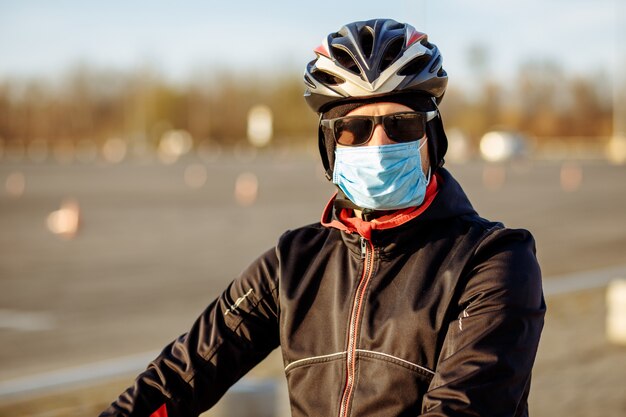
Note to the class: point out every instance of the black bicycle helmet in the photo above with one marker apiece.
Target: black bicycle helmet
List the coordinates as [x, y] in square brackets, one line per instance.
[376, 60]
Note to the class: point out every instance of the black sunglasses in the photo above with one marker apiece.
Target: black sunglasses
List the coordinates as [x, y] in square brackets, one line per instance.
[399, 127]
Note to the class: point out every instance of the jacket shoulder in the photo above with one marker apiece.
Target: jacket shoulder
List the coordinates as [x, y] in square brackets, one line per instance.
[311, 233]
[504, 268]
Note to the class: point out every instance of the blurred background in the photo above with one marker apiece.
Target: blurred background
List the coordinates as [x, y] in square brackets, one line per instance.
[149, 152]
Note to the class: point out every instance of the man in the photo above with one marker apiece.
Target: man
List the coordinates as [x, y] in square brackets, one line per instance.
[402, 301]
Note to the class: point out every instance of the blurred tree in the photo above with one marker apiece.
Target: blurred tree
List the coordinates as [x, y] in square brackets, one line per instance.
[5, 108]
[198, 117]
[91, 103]
[293, 118]
[538, 96]
[589, 114]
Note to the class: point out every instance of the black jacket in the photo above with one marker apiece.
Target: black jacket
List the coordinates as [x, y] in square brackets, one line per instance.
[438, 316]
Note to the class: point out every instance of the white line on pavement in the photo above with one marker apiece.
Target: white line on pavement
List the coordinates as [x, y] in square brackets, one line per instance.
[582, 280]
[26, 321]
[83, 374]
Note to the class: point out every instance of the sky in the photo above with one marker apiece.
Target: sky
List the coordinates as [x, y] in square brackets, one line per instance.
[43, 38]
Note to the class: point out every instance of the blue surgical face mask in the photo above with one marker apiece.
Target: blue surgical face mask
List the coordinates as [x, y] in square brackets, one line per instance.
[387, 177]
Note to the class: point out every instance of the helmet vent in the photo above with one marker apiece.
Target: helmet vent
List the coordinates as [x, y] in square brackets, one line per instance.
[366, 39]
[308, 81]
[345, 60]
[427, 44]
[415, 66]
[435, 64]
[391, 53]
[326, 77]
[392, 25]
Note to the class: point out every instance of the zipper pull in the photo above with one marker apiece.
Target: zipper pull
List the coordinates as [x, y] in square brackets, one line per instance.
[363, 248]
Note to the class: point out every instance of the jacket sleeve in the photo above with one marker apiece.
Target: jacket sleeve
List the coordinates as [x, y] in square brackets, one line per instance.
[488, 352]
[231, 336]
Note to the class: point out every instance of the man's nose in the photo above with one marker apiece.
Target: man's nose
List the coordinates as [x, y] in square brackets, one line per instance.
[379, 137]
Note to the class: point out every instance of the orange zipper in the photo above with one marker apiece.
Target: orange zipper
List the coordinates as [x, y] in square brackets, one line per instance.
[367, 251]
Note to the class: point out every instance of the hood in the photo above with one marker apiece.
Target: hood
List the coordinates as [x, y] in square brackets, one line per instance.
[451, 200]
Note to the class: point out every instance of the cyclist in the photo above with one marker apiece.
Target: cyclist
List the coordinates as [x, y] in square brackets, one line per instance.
[401, 301]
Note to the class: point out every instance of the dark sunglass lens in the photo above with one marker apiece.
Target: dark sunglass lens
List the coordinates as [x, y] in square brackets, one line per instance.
[353, 131]
[405, 127]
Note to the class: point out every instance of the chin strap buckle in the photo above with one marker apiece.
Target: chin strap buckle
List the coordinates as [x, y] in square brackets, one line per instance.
[368, 214]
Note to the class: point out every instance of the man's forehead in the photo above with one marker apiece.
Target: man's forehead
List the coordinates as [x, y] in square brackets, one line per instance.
[379, 108]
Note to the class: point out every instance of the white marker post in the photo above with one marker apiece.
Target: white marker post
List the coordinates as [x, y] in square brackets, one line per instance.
[260, 126]
[616, 312]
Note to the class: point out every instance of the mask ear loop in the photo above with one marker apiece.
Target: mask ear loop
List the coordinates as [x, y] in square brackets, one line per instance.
[419, 148]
